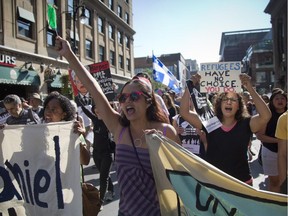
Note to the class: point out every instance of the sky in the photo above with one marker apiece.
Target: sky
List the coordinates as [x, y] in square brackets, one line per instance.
[192, 27]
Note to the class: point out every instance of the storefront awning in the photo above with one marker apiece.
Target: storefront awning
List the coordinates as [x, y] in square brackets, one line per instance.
[13, 76]
[57, 83]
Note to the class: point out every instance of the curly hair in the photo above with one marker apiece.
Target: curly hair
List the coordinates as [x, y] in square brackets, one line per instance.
[65, 104]
[241, 113]
[153, 112]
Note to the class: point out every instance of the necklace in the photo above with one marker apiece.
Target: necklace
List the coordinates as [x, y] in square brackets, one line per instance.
[138, 141]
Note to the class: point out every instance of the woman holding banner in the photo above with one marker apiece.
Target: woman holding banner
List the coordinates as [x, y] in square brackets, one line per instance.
[59, 108]
[228, 144]
[140, 114]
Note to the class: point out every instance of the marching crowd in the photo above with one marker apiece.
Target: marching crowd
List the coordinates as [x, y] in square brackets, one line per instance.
[121, 130]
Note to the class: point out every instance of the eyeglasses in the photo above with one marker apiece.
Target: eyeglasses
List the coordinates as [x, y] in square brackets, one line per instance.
[232, 100]
[134, 96]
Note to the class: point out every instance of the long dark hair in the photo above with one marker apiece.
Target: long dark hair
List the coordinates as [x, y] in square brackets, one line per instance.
[275, 92]
[241, 112]
[153, 112]
[170, 101]
[65, 104]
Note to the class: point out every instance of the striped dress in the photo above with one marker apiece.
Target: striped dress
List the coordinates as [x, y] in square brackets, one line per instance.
[138, 195]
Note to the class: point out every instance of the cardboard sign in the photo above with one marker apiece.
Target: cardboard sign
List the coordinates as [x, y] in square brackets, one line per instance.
[220, 77]
[101, 72]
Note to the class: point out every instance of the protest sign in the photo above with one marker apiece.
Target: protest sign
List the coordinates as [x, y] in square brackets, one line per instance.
[220, 77]
[101, 72]
[205, 112]
[40, 170]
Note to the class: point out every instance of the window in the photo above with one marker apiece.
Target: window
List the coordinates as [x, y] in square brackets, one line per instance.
[101, 53]
[88, 20]
[70, 7]
[111, 32]
[120, 37]
[261, 77]
[75, 44]
[89, 49]
[50, 37]
[119, 11]
[121, 61]
[112, 57]
[25, 22]
[24, 28]
[54, 2]
[100, 25]
[127, 41]
[128, 64]
[111, 4]
[127, 18]
[127, 1]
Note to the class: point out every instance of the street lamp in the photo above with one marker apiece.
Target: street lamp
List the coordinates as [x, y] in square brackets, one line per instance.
[82, 19]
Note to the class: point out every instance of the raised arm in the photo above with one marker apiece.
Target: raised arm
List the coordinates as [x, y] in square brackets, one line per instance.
[264, 114]
[189, 115]
[108, 114]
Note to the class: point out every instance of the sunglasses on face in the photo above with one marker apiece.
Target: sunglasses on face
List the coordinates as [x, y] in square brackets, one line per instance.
[232, 100]
[133, 96]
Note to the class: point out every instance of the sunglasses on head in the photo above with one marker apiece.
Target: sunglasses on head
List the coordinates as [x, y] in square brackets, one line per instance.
[133, 96]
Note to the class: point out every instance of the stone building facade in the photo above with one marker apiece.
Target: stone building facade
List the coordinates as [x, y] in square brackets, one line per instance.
[27, 42]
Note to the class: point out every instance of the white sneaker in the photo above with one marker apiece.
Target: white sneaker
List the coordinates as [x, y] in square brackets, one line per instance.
[109, 196]
[101, 208]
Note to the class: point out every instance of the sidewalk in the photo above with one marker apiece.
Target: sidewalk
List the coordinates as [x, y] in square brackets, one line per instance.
[259, 179]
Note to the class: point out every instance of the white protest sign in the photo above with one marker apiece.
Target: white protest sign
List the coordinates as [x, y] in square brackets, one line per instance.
[220, 77]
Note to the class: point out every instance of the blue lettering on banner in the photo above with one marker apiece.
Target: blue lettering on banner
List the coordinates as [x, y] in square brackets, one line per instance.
[209, 202]
[31, 190]
[58, 178]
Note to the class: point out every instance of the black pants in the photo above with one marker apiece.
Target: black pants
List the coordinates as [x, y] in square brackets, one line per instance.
[103, 162]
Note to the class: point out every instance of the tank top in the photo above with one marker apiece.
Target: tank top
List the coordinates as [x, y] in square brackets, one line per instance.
[138, 194]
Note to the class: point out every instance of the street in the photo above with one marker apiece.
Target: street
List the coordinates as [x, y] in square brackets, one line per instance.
[111, 208]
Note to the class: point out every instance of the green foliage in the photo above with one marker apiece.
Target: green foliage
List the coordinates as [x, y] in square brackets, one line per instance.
[67, 88]
[155, 85]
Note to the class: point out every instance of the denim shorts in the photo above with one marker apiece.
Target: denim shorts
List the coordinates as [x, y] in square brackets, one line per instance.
[269, 162]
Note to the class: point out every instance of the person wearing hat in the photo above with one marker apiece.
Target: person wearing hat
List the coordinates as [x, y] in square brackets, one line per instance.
[36, 104]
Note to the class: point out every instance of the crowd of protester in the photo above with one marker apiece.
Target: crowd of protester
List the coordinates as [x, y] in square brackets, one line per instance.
[141, 111]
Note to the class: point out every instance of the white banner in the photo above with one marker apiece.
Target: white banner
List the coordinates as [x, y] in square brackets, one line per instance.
[40, 170]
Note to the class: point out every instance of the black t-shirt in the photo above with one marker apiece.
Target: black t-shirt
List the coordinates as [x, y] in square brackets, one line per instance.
[270, 131]
[172, 112]
[102, 139]
[228, 150]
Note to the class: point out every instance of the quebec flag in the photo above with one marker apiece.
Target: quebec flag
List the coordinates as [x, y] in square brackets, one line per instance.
[163, 75]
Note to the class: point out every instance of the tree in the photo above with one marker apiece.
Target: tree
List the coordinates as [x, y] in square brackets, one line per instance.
[155, 85]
